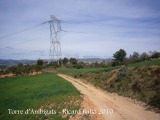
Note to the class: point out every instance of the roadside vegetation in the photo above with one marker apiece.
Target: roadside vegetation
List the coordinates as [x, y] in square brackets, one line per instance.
[136, 77]
[137, 80]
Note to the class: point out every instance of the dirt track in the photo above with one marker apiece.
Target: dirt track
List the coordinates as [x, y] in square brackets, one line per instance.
[123, 109]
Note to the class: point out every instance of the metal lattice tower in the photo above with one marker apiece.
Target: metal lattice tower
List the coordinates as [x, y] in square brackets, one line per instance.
[55, 34]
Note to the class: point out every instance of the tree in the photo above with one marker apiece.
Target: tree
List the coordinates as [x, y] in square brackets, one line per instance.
[28, 68]
[135, 55]
[54, 64]
[120, 55]
[39, 62]
[155, 54]
[73, 61]
[20, 65]
[144, 56]
[65, 61]
[80, 65]
[103, 64]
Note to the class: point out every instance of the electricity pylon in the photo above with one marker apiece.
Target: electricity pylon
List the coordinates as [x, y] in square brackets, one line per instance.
[55, 34]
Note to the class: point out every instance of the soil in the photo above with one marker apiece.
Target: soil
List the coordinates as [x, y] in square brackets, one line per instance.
[11, 74]
[88, 106]
[8, 75]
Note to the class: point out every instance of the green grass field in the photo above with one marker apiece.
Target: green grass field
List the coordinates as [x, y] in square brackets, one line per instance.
[146, 63]
[46, 91]
[87, 70]
[92, 70]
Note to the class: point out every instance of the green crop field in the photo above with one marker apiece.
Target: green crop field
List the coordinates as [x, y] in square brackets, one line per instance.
[44, 91]
[145, 63]
[92, 70]
[87, 70]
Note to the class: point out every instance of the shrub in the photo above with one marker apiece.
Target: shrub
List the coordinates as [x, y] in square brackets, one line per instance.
[121, 73]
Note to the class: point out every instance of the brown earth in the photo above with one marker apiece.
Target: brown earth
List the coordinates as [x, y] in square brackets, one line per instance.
[35, 73]
[88, 106]
[11, 74]
[8, 75]
[112, 106]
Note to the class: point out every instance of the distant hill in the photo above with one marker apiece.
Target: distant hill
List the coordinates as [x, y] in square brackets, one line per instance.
[94, 60]
[9, 62]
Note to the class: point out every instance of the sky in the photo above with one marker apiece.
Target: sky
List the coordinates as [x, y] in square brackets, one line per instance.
[92, 28]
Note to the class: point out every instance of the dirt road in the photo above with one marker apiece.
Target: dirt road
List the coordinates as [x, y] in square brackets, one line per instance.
[113, 107]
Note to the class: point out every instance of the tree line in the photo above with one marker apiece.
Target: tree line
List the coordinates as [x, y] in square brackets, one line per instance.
[119, 58]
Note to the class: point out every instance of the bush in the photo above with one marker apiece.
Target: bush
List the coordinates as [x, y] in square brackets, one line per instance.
[40, 62]
[121, 74]
[80, 65]
[21, 69]
[155, 101]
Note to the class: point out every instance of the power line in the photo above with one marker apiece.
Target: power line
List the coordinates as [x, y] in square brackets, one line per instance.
[66, 22]
[23, 30]
[84, 22]
[20, 31]
[75, 32]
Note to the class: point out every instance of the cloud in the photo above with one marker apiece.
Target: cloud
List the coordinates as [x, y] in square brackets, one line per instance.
[38, 51]
[9, 47]
[19, 53]
[94, 27]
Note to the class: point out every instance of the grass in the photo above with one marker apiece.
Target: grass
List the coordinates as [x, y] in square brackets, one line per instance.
[108, 69]
[87, 70]
[45, 91]
[146, 63]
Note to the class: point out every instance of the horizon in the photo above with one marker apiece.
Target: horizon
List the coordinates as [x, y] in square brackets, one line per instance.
[55, 59]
